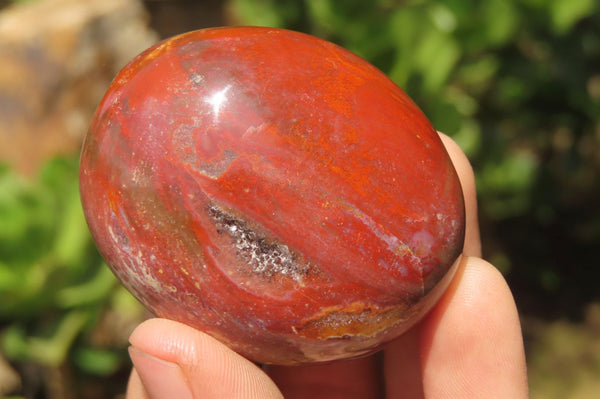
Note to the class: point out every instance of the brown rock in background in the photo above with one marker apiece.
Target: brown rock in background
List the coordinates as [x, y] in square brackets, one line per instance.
[9, 379]
[57, 59]
[173, 17]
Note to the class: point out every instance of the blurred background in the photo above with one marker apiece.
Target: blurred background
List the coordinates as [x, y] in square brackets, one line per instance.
[515, 82]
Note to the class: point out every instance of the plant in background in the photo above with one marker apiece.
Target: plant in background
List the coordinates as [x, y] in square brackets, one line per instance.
[56, 292]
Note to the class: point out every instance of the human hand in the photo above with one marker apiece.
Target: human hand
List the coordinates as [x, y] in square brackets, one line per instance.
[469, 346]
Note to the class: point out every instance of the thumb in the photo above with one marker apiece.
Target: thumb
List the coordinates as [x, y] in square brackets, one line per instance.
[172, 360]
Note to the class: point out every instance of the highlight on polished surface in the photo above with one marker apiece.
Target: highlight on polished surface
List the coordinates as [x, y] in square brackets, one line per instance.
[273, 190]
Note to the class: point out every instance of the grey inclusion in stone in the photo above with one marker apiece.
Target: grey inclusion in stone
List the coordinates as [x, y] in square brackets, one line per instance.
[264, 256]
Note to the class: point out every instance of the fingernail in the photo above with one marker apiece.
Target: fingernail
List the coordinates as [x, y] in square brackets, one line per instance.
[161, 379]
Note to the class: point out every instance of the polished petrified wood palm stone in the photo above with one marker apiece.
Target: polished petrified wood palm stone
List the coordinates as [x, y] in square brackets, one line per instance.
[274, 190]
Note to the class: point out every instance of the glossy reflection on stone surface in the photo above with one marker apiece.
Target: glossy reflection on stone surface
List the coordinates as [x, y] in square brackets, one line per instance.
[273, 190]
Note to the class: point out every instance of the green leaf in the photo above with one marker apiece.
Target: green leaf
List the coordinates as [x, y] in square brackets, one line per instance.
[442, 17]
[49, 351]
[505, 185]
[96, 290]
[72, 235]
[270, 13]
[468, 137]
[479, 72]
[435, 57]
[404, 27]
[100, 362]
[501, 21]
[566, 13]
[8, 278]
[26, 219]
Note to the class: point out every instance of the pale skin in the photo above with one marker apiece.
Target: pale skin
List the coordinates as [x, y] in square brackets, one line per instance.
[469, 346]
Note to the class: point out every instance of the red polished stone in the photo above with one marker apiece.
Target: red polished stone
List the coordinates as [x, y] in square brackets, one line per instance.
[273, 190]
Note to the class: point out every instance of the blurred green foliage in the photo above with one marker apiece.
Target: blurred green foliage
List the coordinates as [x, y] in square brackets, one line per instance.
[54, 286]
[516, 83]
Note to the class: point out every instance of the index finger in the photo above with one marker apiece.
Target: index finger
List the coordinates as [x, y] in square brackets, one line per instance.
[466, 176]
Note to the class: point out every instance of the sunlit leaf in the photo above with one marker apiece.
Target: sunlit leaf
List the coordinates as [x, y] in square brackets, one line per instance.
[565, 13]
[100, 362]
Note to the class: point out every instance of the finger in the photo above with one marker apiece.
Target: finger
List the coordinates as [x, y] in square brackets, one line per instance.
[471, 343]
[173, 360]
[402, 365]
[357, 378]
[466, 176]
[135, 388]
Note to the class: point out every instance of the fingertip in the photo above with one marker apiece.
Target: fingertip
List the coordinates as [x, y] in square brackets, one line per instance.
[459, 160]
[466, 176]
[210, 368]
[159, 378]
[135, 388]
[477, 293]
[353, 378]
[471, 342]
[168, 340]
